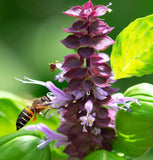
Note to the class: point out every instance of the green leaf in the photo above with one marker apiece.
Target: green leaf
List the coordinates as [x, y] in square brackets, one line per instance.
[18, 101]
[57, 153]
[147, 156]
[8, 115]
[10, 108]
[122, 145]
[135, 129]
[103, 155]
[132, 53]
[22, 145]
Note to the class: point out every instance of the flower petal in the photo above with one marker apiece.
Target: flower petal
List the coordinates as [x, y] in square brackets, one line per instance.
[88, 5]
[100, 81]
[78, 94]
[50, 86]
[98, 139]
[102, 113]
[60, 139]
[74, 84]
[72, 61]
[71, 41]
[76, 73]
[87, 85]
[79, 24]
[103, 122]
[98, 27]
[74, 11]
[112, 115]
[71, 30]
[110, 90]
[107, 30]
[104, 70]
[100, 94]
[78, 27]
[85, 40]
[88, 106]
[123, 102]
[85, 51]
[100, 10]
[43, 128]
[101, 42]
[97, 59]
[88, 9]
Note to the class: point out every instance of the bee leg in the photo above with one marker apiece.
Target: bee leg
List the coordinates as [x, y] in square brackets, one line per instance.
[34, 118]
[49, 116]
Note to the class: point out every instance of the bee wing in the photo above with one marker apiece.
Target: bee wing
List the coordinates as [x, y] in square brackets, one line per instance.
[44, 104]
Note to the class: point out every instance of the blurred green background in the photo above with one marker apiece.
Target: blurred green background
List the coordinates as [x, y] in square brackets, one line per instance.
[30, 34]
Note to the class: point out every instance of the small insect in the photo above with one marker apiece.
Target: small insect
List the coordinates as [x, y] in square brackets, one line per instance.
[38, 105]
[53, 66]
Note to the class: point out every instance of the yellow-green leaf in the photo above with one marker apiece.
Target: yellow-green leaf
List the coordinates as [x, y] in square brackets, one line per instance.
[132, 54]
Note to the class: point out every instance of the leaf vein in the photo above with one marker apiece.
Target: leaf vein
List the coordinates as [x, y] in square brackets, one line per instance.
[144, 62]
[141, 41]
[145, 49]
[133, 36]
[127, 52]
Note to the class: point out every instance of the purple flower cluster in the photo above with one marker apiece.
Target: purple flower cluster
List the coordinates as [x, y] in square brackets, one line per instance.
[87, 124]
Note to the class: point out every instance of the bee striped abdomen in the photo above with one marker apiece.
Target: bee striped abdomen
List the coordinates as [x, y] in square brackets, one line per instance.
[24, 117]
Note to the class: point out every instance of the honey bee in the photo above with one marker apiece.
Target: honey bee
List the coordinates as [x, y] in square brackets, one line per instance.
[38, 105]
